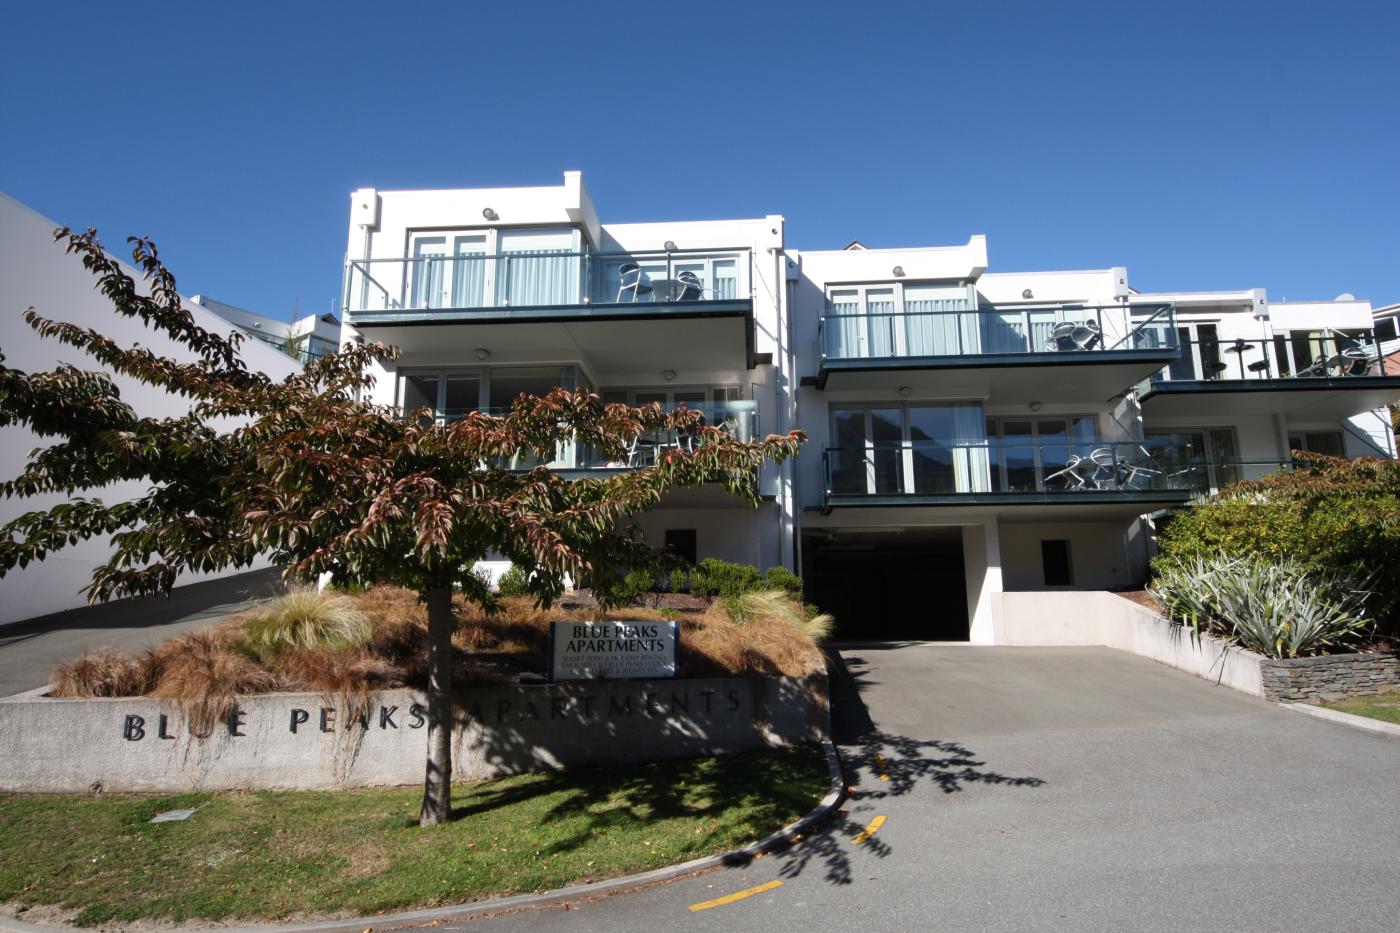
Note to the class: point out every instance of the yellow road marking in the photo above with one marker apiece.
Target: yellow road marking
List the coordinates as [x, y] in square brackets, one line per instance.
[736, 896]
[884, 769]
[874, 827]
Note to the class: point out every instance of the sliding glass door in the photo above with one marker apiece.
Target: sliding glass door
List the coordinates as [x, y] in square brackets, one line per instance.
[908, 449]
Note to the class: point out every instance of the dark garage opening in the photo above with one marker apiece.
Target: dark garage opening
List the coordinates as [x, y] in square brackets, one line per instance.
[897, 586]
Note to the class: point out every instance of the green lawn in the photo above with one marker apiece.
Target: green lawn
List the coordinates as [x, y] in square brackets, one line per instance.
[266, 855]
[1385, 708]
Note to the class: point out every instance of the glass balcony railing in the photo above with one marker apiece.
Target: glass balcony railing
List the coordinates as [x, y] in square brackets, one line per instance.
[962, 332]
[739, 419]
[1288, 355]
[1004, 467]
[473, 281]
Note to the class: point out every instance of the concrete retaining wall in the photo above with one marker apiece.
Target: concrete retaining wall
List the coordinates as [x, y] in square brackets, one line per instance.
[297, 740]
[1334, 677]
[1100, 618]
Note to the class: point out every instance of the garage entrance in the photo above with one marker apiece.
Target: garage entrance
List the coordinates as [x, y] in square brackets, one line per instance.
[889, 584]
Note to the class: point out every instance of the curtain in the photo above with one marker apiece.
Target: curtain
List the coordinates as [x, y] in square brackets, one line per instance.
[843, 328]
[726, 284]
[469, 281]
[880, 309]
[971, 469]
[427, 282]
[537, 277]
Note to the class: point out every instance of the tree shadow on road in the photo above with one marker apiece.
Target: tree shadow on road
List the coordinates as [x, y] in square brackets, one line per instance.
[881, 766]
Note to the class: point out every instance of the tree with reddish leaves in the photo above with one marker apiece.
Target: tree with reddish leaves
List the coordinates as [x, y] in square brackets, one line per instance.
[307, 473]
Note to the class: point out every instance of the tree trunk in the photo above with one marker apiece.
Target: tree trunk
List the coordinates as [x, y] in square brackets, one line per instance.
[437, 785]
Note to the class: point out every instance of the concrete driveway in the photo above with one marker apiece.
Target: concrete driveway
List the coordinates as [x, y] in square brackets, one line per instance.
[30, 650]
[1062, 789]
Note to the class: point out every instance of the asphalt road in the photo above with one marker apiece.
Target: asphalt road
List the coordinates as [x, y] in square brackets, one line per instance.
[1059, 789]
[30, 650]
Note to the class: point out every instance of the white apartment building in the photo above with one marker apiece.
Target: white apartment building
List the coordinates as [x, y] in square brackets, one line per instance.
[304, 338]
[969, 433]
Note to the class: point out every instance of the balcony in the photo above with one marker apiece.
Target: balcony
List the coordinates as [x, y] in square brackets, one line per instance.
[1003, 354]
[690, 309]
[738, 418]
[1117, 478]
[1320, 376]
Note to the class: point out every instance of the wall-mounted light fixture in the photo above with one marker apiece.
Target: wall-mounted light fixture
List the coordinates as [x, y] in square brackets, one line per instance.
[482, 353]
[1027, 294]
[1035, 406]
[669, 375]
[905, 391]
[490, 214]
[899, 272]
[671, 246]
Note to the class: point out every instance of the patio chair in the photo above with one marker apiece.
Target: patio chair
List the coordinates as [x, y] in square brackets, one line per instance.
[691, 288]
[631, 279]
[1088, 336]
[1062, 337]
[1132, 471]
[1073, 479]
[1106, 467]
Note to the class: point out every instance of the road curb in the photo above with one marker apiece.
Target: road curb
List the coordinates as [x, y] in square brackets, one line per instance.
[836, 795]
[1346, 719]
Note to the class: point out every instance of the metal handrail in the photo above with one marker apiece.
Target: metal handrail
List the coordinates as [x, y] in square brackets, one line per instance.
[1083, 327]
[1205, 360]
[582, 281]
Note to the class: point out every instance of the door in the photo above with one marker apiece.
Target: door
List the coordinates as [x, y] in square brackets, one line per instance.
[429, 275]
[866, 457]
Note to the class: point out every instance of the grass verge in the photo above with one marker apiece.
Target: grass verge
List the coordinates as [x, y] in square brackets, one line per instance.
[1386, 708]
[273, 855]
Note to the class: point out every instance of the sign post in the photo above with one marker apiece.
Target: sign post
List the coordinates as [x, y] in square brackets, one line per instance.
[614, 650]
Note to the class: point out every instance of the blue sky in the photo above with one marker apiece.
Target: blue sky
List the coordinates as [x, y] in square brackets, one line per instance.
[1203, 145]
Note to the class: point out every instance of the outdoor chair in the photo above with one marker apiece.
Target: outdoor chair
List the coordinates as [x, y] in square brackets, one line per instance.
[1133, 472]
[1106, 467]
[630, 279]
[1071, 476]
[1062, 337]
[1087, 336]
[691, 288]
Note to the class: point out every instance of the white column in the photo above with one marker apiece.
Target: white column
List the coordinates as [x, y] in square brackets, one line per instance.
[982, 571]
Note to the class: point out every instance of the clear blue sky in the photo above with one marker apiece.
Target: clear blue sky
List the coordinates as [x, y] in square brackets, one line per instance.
[1203, 145]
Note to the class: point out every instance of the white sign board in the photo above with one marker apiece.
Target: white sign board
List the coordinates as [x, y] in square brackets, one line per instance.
[613, 650]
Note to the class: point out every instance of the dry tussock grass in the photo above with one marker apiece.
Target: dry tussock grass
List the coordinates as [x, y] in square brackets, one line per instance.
[204, 671]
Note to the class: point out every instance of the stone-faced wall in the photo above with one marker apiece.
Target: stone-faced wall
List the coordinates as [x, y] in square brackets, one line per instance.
[1332, 677]
[301, 740]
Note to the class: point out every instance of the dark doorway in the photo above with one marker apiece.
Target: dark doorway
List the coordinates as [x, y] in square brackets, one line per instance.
[889, 586]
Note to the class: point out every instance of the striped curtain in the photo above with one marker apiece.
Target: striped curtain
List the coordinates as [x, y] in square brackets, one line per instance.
[537, 277]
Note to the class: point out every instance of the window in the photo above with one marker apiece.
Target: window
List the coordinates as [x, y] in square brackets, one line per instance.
[909, 448]
[494, 268]
[1210, 454]
[1031, 455]
[1055, 562]
[1329, 443]
[681, 542]
[453, 393]
[896, 320]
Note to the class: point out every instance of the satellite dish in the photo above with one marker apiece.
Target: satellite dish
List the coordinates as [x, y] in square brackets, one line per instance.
[1345, 296]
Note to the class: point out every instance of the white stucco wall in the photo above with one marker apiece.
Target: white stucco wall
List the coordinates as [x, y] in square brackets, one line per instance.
[35, 271]
[1101, 555]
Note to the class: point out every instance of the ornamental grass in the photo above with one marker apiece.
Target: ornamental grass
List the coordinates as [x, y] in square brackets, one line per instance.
[350, 646]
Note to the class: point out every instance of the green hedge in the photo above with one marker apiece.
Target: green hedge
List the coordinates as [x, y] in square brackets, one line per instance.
[1333, 516]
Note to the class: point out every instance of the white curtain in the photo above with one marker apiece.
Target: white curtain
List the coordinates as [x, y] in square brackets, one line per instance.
[844, 328]
[971, 469]
[939, 321]
[469, 281]
[726, 283]
[537, 278]
[880, 309]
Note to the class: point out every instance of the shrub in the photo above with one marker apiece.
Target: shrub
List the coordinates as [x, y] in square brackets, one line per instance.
[106, 672]
[1279, 609]
[306, 618]
[1335, 517]
[634, 586]
[776, 604]
[779, 577]
[514, 582]
[713, 577]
